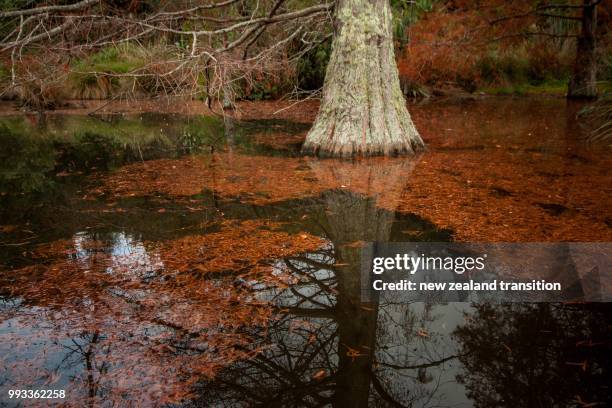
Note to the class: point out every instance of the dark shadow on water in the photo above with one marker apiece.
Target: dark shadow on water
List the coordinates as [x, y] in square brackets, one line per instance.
[327, 348]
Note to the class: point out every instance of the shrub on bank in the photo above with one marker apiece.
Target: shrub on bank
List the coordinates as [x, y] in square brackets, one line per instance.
[448, 50]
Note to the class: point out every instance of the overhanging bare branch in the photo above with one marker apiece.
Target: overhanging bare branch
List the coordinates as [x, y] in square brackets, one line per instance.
[49, 9]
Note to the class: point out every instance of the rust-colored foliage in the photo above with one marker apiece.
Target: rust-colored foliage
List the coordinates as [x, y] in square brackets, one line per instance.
[455, 43]
[255, 179]
[252, 244]
[148, 321]
[486, 181]
[442, 49]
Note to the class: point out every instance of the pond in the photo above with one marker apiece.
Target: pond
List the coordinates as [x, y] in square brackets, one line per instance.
[163, 259]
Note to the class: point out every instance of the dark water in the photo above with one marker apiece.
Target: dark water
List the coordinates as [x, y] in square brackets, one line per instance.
[165, 260]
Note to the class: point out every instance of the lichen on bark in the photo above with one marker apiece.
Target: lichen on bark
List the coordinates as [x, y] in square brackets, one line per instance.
[363, 111]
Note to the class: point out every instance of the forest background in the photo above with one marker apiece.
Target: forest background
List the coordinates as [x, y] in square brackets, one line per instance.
[443, 47]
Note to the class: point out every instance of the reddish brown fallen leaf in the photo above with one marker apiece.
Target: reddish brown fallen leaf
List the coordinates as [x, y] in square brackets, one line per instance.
[583, 365]
[356, 244]
[422, 333]
[319, 375]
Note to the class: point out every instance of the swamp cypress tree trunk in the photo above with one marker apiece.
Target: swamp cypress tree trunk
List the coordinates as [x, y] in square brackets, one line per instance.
[363, 111]
[583, 82]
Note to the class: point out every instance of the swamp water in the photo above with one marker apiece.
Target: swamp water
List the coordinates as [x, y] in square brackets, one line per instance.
[168, 260]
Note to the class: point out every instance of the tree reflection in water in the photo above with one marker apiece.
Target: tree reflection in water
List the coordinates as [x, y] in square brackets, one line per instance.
[329, 348]
[537, 355]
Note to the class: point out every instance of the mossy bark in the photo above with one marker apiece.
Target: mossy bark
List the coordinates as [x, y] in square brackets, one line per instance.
[363, 111]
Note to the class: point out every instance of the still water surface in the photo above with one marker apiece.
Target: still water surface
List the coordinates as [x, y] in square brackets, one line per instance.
[169, 260]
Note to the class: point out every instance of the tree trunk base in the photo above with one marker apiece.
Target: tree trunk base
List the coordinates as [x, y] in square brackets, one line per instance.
[363, 111]
[352, 150]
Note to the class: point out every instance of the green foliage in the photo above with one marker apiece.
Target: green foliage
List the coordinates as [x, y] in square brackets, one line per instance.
[548, 62]
[406, 13]
[521, 67]
[9, 25]
[32, 153]
[202, 132]
[90, 151]
[6, 5]
[605, 66]
[109, 59]
[508, 67]
[93, 76]
[4, 74]
[24, 162]
[262, 91]
[312, 66]
[549, 87]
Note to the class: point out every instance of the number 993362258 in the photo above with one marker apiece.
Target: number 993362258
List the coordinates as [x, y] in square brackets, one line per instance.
[36, 394]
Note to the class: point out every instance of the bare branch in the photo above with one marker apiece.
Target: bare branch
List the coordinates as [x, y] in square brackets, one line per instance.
[48, 9]
[567, 6]
[198, 8]
[47, 34]
[170, 65]
[267, 20]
